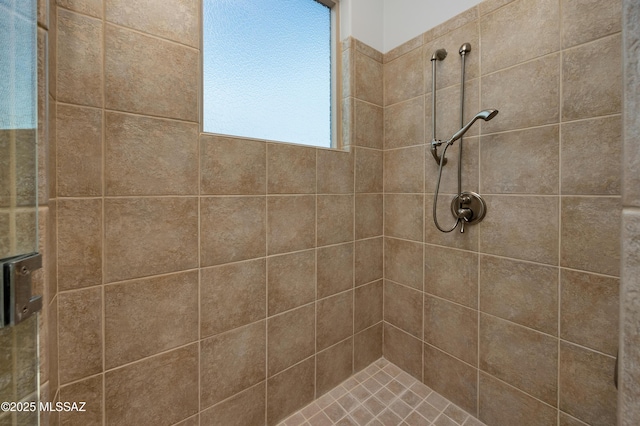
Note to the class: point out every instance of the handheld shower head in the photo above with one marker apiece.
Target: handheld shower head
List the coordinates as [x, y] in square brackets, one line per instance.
[486, 115]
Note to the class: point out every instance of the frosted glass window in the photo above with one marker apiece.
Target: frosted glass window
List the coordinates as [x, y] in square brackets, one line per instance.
[267, 70]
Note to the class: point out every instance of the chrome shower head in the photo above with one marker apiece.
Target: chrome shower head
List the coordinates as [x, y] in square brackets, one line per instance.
[486, 115]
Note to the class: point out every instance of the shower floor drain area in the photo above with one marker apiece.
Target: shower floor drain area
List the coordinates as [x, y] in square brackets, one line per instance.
[381, 395]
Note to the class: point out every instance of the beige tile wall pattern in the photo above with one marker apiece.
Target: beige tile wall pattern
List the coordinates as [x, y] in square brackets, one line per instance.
[219, 271]
[521, 309]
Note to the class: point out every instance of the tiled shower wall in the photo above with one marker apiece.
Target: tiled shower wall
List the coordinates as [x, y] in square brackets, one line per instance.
[516, 319]
[201, 277]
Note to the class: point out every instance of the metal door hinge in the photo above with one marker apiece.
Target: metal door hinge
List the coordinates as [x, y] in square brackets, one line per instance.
[16, 300]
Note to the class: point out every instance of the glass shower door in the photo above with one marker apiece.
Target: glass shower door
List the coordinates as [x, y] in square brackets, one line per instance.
[19, 366]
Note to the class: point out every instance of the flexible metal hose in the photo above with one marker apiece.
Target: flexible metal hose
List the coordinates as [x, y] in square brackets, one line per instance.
[435, 198]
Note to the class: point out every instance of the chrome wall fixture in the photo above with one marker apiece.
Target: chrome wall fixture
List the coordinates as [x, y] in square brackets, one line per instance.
[467, 207]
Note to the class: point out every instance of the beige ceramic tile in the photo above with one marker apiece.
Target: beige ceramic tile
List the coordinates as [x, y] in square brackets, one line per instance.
[403, 308]
[136, 314]
[451, 274]
[368, 304]
[233, 229]
[521, 162]
[403, 262]
[290, 390]
[177, 20]
[137, 80]
[148, 156]
[334, 319]
[367, 346]
[631, 133]
[536, 81]
[452, 24]
[403, 77]
[334, 271]
[290, 281]
[333, 366]
[452, 328]
[368, 260]
[89, 391]
[589, 312]
[404, 123]
[403, 216]
[78, 151]
[585, 171]
[587, 390]
[597, 250]
[403, 350]
[232, 296]
[451, 378]
[79, 243]
[368, 79]
[591, 79]
[166, 380]
[335, 219]
[232, 166]
[335, 172]
[583, 21]
[291, 223]
[369, 124]
[86, 7]
[519, 356]
[502, 231]
[292, 169]
[368, 169]
[506, 33]
[404, 170]
[500, 403]
[369, 215]
[79, 334]
[149, 236]
[78, 59]
[231, 362]
[405, 47]
[291, 338]
[521, 292]
[245, 408]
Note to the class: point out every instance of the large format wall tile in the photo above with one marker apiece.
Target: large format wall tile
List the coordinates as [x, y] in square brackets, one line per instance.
[403, 307]
[232, 295]
[291, 338]
[510, 29]
[292, 169]
[149, 76]
[290, 390]
[136, 314]
[148, 156]
[233, 229]
[525, 293]
[290, 281]
[403, 77]
[244, 408]
[403, 216]
[590, 234]
[291, 223]
[597, 91]
[79, 243]
[526, 95]
[335, 219]
[451, 328]
[79, 59]
[451, 378]
[334, 319]
[334, 271]
[80, 334]
[149, 236]
[404, 124]
[586, 20]
[232, 166]
[451, 274]
[403, 350]
[522, 162]
[590, 168]
[521, 357]
[78, 151]
[333, 366]
[175, 20]
[231, 362]
[166, 380]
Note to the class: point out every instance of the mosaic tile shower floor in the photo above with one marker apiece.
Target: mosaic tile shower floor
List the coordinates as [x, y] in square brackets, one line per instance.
[381, 395]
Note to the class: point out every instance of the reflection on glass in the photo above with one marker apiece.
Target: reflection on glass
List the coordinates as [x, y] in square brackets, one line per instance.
[18, 128]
